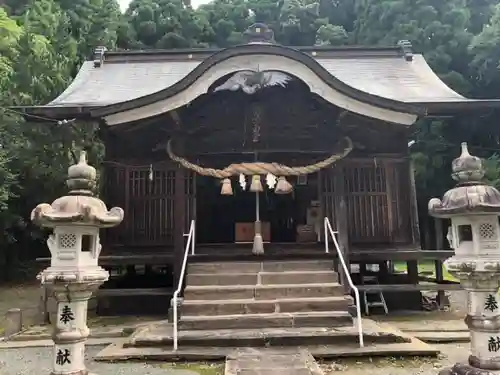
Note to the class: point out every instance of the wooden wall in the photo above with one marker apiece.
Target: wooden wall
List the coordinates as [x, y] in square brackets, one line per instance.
[377, 197]
[376, 191]
[150, 203]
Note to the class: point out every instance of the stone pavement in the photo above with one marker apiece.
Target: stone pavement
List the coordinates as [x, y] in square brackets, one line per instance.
[435, 331]
[250, 361]
[423, 325]
[36, 361]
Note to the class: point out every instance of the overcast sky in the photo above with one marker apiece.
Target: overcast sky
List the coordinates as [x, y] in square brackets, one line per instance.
[124, 3]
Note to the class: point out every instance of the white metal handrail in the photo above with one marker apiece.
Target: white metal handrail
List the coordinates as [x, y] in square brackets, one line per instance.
[189, 246]
[329, 231]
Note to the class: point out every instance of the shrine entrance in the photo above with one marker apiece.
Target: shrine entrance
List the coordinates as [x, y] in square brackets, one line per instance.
[256, 161]
[230, 219]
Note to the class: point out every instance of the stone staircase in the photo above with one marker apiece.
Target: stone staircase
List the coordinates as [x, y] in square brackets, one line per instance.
[260, 306]
[260, 295]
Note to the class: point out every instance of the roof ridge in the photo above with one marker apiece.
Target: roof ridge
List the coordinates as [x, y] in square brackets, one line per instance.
[202, 53]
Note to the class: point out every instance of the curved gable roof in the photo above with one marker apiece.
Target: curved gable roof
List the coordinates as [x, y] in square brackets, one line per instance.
[259, 49]
[384, 77]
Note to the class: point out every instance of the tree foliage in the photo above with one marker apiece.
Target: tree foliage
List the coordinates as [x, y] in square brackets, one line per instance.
[43, 42]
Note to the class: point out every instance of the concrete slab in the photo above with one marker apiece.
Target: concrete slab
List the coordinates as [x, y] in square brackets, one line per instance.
[161, 334]
[423, 325]
[45, 333]
[435, 331]
[410, 347]
[249, 361]
[116, 352]
[442, 337]
[48, 343]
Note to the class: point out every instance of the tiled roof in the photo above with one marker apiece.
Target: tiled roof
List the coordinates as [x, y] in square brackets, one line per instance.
[391, 77]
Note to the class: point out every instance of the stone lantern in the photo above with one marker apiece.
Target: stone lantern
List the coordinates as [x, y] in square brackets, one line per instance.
[74, 273]
[474, 208]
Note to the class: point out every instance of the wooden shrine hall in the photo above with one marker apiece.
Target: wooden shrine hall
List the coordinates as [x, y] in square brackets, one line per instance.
[260, 135]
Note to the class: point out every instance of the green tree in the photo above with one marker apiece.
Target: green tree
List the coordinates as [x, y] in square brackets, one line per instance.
[93, 23]
[37, 55]
[165, 24]
[485, 49]
[43, 42]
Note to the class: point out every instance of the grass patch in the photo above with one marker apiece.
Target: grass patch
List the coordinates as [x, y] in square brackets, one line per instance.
[425, 268]
[201, 368]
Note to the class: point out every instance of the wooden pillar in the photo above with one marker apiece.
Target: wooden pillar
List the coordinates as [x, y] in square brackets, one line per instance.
[179, 220]
[438, 263]
[383, 272]
[342, 224]
[413, 205]
[412, 267]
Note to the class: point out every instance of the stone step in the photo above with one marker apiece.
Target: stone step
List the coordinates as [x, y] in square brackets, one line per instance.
[299, 277]
[283, 305]
[254, 267]
[332, 349]
[254, 278]
[274, 320]
[262, 292]
[207, 279]
[161, 335]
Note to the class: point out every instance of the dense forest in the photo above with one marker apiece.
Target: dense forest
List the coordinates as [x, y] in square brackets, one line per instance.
[43, 42]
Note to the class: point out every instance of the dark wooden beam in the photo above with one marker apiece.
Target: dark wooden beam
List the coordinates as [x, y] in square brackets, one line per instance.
[412, 268]
[376, 256]
[408, 287]
[438, 264]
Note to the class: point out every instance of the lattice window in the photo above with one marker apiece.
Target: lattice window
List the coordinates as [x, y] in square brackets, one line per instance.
[487, 231]
[367, 203]
[67, 241]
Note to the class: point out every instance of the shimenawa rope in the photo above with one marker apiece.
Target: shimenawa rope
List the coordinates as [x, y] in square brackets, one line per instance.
[260, 168]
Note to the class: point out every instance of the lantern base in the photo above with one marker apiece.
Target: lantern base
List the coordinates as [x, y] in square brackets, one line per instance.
[464, 369]
[486, 364]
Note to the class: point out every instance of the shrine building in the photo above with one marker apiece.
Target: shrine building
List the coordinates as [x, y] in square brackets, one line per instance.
[259, 139]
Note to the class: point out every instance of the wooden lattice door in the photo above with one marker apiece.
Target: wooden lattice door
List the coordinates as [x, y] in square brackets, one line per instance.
[148, 197]
[151, 202]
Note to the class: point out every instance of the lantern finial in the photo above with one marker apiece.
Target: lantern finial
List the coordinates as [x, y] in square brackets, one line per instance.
[467, 168]
[81, 177]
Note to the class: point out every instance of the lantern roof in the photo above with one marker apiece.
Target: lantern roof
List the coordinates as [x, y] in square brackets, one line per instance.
[79, 207]
[471, 195]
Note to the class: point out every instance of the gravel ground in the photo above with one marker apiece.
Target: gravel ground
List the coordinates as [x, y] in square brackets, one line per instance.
[451, 354]
[33, 361]
[25, 297]
[36, 361]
